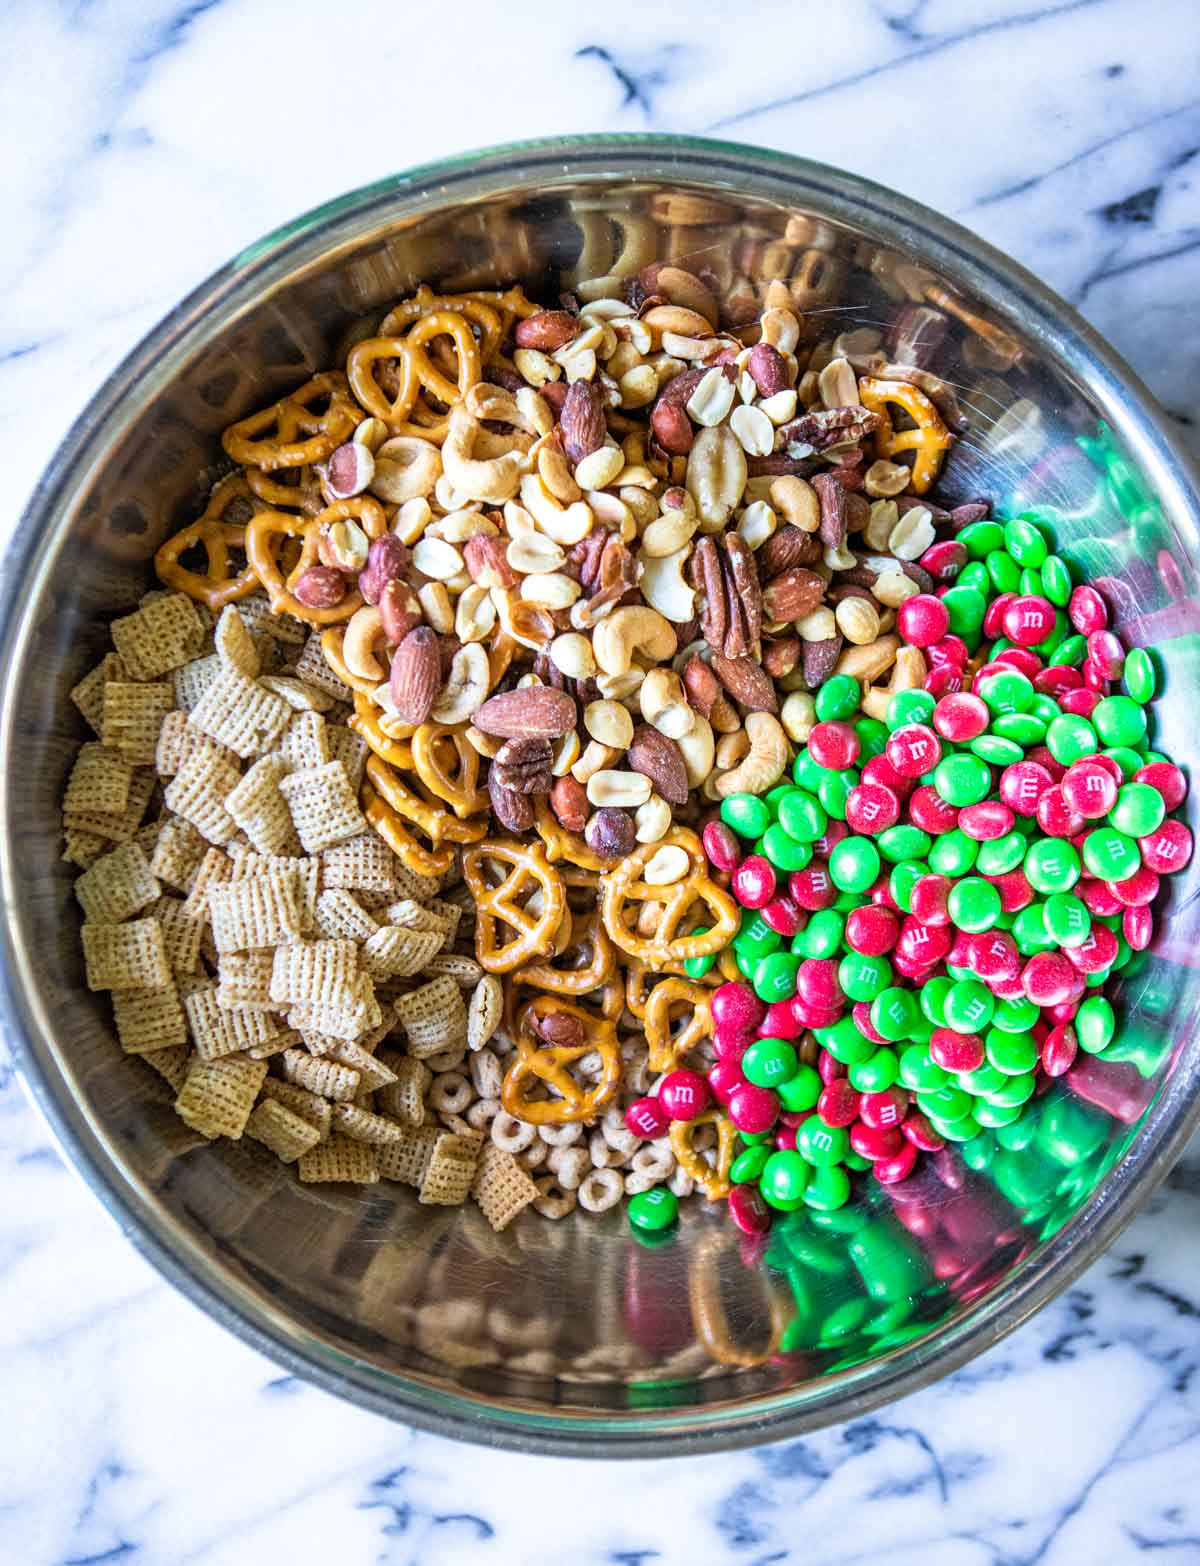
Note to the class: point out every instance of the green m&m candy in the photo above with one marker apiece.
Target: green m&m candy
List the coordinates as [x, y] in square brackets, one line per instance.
[953, 853]
[1003, 570]
[782, 850]
[910, 707]
[1139, 810]
[982, 539]
[655, 1209]
[768, 1062]
[963, 779]
[748, 815]
[1119, 720]
[1140, 678]
[863, 977]
[894, 1014]
[1001, 854]
[1067, 919]
[1069, 738]
[904, 842]
[801, 1090]
[820, 1144]
[827, 1190]
[1110, 855]
[822, 935]
[1056, 581]
[748, 1165]
[969, 1006]
[1013, 1054]
[974, 904]
[919, 1072]
[854, 864]
[1094, 1024]
[1026, 543]
[775, 976]
[838, 698]
[877, 1074]
[932, 996]
[966, 607]
[801, 816]
[1029, 930]
[1009, 691]
[783, 1179]
[1051, 865]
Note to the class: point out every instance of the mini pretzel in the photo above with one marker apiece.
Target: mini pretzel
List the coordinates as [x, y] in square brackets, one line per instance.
[435, 750]
[710, 1316]
[477, 308]
[713, 1179]
[561, 844]
[586, 975]
[366, 722]
[624, 890]
[538, 1061]
[667, 1049]
[928, 443]
[213, 586]
[503, 903]
[270, 438]
[437, 824]
[269, 527]
[391, 828]
[416, 372]
[304, 495]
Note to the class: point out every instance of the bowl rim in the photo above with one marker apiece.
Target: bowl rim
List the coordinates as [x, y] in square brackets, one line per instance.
[183, 1259]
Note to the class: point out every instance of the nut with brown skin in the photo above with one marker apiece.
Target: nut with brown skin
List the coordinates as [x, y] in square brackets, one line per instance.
[513, 811]
[399, 611]
[768, 369]
[819, 659]
[582, 421]
[349, 470]
[321, 587]
[660, 759]
[825, 427]
[792, 594]
[787, 547]
[611, 833]
[387, 561]
[709, 579]
[530, 712]
[701, 686]
[781, 654]
[747, 682]
[416, 675]
[558, 1029]
[741, 582]
[832, 495]
[524, 766]
[487, 561]
[569, 802]
[546, 330]
[672, 428]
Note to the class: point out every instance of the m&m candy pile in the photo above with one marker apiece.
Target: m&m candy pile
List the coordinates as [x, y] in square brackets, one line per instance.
[933, 905]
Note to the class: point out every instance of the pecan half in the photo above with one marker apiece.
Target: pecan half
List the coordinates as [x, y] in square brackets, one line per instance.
[709, 581]
[747, 682]
[825, 427]
[743, 581]
[523, 765]
[832, 530]
[582, 421]
[513, 811]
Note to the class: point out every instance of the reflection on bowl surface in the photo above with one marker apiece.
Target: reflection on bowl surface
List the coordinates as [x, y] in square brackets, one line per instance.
[578, 1336]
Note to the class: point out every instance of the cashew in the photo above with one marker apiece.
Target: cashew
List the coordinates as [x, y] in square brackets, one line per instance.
[716, 476]
[613, 512]
[595, 757]
[555, 472]
[765, 764]
[629, 631]
[495, 479]
[670, 532]
[664, 588]
[732, 748]
[796, 501]
[664, 704]
[466, 687]
[364, 630]
[868, 663]
[405, 469]
[459, 526]
[620, 687]
[564, 524]
[698, 748]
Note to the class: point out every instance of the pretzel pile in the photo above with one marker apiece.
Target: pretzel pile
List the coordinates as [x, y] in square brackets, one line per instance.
[569, 576]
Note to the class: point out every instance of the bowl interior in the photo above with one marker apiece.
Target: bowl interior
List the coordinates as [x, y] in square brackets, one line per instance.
[573, 1334]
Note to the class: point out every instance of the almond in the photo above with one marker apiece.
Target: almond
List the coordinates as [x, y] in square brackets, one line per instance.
[399, 611]
[792, 594]
[387, 561]
[514, 811]
[547, 330]
[416, 675]
[582, 420]
[746, 681]
[781, 655]
[787, 547]
[487, 561]
[660, 759]
[533, 712]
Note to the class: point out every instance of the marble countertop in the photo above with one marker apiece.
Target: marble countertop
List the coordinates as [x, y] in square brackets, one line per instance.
[148, 140]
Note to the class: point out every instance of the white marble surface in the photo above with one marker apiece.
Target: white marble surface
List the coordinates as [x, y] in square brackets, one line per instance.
[147, 140]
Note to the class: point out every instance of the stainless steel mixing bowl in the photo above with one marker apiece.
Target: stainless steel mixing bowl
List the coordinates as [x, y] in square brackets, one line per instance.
[573, 1337]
